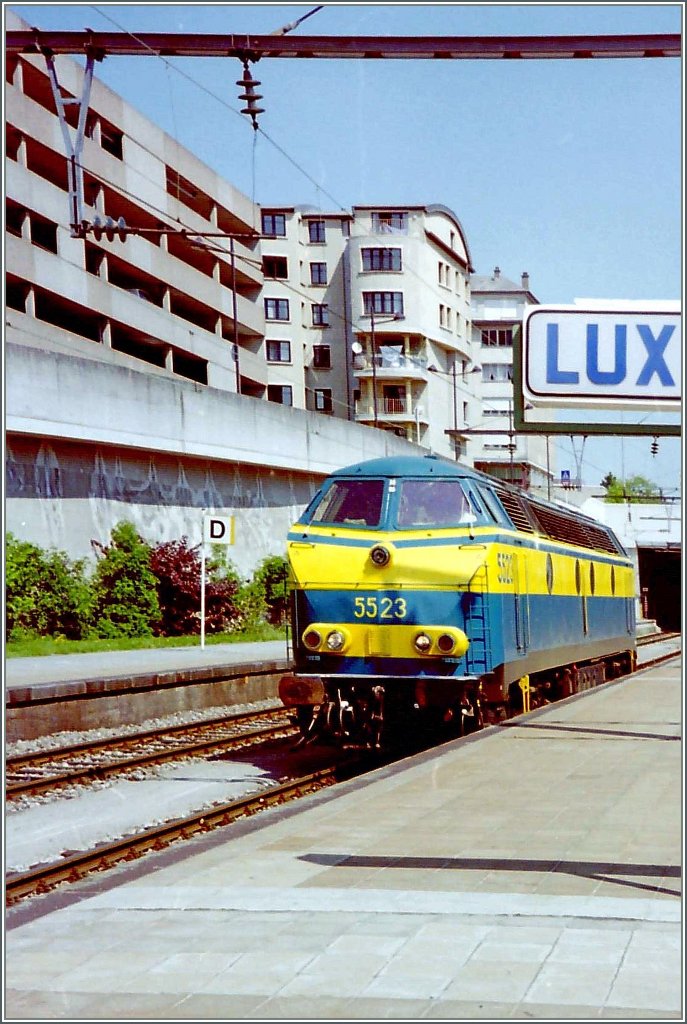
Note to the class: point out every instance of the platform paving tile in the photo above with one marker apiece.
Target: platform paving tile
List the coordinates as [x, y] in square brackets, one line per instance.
[459, 1009]
[295, 1008]
[504, 981]
[563, 983]
[654, 985]
[34, 1005]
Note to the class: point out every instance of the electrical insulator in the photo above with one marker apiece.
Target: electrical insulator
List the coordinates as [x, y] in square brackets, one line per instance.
[109, 227]
[250, 96]
[654, 446]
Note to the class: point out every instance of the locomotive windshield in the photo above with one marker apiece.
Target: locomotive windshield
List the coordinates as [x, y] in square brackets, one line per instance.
[351, 503]
[433, 503]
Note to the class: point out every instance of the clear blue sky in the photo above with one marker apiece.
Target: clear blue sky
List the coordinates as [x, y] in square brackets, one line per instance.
[570, 170]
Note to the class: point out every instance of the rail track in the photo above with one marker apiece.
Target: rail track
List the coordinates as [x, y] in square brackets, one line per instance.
[43, 878]
[42, 771]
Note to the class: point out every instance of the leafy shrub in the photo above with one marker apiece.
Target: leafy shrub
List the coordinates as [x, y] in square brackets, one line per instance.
[226, 606]
[125, 601]
[271, 577]
[176, 567]
[45, 592]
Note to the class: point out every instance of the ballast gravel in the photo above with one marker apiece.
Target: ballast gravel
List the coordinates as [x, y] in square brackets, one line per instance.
[41, 829]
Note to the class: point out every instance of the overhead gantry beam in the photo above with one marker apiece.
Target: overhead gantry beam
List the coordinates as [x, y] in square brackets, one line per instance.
[255, 47]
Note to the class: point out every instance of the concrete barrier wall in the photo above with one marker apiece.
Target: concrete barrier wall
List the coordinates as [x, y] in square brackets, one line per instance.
[90, 443]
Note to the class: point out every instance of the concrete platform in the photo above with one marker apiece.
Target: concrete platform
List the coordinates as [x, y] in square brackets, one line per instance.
[108, 689]
[531, 870]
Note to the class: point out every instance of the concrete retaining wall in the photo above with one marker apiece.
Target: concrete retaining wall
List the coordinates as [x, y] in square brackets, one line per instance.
[90, 442]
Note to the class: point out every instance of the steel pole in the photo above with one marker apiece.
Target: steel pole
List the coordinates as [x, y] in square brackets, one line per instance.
[374, 362]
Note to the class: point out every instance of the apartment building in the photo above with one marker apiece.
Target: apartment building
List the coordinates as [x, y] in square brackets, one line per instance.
[497, 308]
[367, 316]
[170, 293]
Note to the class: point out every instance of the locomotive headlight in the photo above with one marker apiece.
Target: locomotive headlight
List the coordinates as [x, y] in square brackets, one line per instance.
[446, 643]
[423, 643]
[335, 640]
[312, 639]
[380, 555]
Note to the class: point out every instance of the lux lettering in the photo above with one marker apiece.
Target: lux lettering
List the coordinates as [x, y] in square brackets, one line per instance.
[655, 363]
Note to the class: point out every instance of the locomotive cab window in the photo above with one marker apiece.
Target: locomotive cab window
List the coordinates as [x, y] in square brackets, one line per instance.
[350, 503]
[433, 503]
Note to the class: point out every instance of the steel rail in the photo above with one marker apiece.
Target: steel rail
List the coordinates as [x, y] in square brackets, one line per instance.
[44, 877]
[96, 772]
[255, 47]
[37, 757]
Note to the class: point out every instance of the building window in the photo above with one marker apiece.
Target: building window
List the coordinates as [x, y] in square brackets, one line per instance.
[381, 259]
[43, 233]
[320, 314]
[274, 225]
[278, 351]
[323, 399]
[390, 223]
[282, 394]
[322, 358]
[316, 230]
[497, 337]
[111, 140]
[497, 372]
[383, 302]
[276, 309]
[14, 219]
[275, 266]
[318, 273]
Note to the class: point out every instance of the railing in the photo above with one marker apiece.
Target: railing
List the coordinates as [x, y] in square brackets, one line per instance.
[385, 362]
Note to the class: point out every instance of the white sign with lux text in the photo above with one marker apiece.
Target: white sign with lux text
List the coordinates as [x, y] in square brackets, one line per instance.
[597, 357]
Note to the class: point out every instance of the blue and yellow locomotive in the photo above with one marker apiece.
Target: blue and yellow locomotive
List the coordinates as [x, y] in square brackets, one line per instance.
[422, 589]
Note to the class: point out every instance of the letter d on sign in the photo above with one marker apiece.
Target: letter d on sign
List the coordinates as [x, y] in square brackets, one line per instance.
[218, 529]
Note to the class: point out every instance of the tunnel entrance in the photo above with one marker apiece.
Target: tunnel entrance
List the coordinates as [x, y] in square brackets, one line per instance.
[660, 571]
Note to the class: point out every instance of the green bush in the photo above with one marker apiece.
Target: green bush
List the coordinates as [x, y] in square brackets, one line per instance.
[271, 577]
[125, 601]
[46, 594]
[138, 590]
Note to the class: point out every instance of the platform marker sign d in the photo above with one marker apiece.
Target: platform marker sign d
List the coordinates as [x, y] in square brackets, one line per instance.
[216, 530]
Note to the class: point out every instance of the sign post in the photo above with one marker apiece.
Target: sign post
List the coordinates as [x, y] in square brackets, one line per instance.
[216, 530]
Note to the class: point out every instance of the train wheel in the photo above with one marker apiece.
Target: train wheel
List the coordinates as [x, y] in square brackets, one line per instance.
[471, 717]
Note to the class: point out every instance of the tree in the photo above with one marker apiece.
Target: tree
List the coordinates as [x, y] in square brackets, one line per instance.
[125, 601]
[634, 489]
[610, 480]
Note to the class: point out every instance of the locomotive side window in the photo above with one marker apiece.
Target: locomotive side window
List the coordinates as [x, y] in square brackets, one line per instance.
[433, 503]
[351, 503]
[491, 504]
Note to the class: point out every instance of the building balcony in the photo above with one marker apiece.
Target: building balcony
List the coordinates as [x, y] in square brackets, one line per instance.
[391, 411]
[390, 367]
